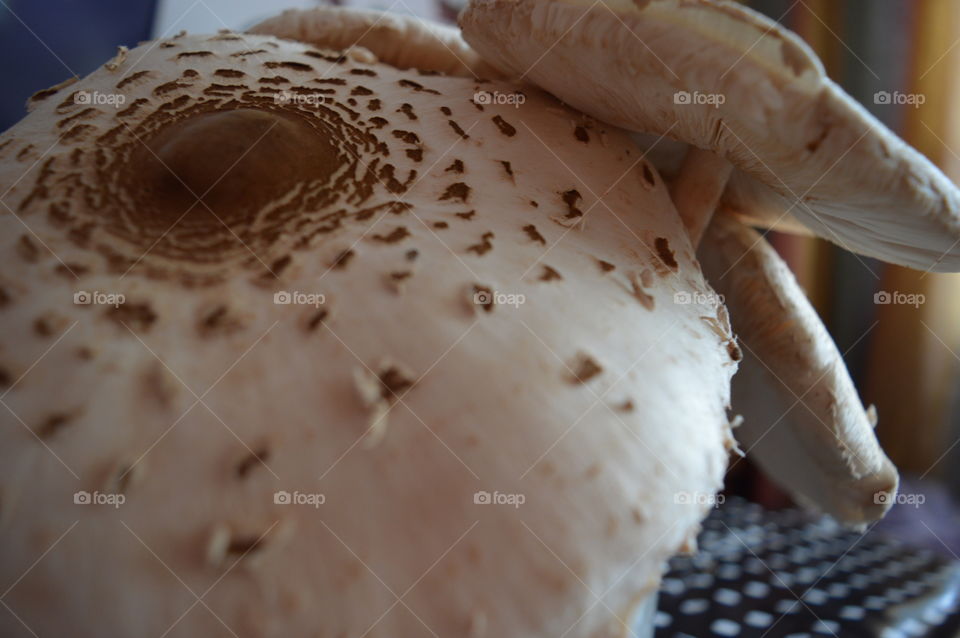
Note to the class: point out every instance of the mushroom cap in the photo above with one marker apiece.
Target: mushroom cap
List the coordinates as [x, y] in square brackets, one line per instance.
[722, 77]
[803, 422]
[339, 318]
[405, 42]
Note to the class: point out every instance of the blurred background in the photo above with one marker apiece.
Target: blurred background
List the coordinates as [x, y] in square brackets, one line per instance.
[898, 58]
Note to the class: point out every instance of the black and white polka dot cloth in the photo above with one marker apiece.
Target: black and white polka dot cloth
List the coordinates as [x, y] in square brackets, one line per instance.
[787, 574]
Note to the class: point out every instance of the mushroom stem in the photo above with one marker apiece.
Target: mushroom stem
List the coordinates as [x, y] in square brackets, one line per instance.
[804, 423]
[697, 189]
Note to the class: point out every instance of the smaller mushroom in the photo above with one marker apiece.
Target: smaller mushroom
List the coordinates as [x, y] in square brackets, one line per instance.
[723, 78]
[815, 418]
[401, 41]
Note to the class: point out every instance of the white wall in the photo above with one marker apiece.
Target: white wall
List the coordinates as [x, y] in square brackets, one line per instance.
[208, 16]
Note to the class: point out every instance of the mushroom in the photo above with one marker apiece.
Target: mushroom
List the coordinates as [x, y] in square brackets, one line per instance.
[817, 439]
[350, 350]
[300, 444]
[726, 80]
[404, 42]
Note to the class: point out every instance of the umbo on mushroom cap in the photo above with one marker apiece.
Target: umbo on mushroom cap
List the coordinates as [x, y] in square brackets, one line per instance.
[304, 327]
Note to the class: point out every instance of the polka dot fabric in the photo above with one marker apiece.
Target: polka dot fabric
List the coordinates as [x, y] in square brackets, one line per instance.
[788, 574]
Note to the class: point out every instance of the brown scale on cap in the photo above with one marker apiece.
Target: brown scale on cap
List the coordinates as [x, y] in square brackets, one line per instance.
[53, 424]
[505, 127]
[317, 319]
[648, 177]
[662, 245]
[458, 130]
[137, 316]
[342, 259]
[550, 274]
[225, 547]
[532, 232]
[53, 90]
[49, 324]
[122, 477]
[484, 246]
[397, 234]
[482, 297]
[585, 368]
[251, 461]
[27, 250]
[219, 320]
[407, 110]
[396, 280]
[26, 152]
[416, 86]
[637, 284]
[157, 385]
[458, 191]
